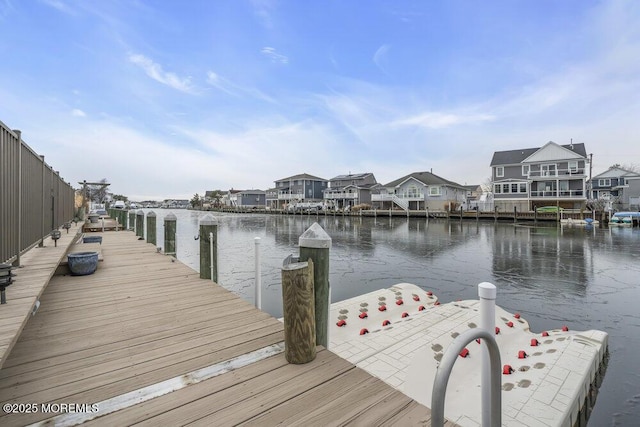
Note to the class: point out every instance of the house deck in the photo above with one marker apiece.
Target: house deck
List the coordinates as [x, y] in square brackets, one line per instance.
[136, 338]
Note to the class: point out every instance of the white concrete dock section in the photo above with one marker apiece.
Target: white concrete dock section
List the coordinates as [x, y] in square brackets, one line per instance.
[547, 388]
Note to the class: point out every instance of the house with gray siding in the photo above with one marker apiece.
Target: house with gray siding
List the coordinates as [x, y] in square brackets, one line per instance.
[251, 199]
[610, 185]
[271, 198]
[349, 190]
[551, 175]
[631, 194]
[300, 188]
[420, 190]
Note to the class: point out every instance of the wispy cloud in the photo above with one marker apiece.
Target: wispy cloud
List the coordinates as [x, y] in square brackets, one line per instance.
[380, 57]
[274, 56]
[233, 89]
[155, 71]
[60, 6]
[439, 120]
[264, 11]
[78, 113]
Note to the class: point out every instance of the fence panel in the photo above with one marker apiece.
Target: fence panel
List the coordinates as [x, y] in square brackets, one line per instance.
[34, 199]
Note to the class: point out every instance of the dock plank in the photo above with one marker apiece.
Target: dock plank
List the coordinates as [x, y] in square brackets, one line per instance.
[144, 318]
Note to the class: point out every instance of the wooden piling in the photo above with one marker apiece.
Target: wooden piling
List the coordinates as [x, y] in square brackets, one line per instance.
[315, 244]
[151, 228]
[515, 214]
[208, 242]
[132, 220]
[140, 223]
[299, 312]
[170, 234]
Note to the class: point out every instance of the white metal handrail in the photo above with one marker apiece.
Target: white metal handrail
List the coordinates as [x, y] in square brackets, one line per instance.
[446, 366]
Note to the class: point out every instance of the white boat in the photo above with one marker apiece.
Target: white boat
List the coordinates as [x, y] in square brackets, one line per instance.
[624, 218]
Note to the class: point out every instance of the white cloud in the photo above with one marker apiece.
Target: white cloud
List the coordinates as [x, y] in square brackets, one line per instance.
[274, 56]
[155, 71]
[380, 57]
[230, 88]
[78, 113]
[264, 11]
[439, 120]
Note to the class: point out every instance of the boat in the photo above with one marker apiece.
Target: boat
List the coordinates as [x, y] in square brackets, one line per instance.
[582, 222]
[624, 218]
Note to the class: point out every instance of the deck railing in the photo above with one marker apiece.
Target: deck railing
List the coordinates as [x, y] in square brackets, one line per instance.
[34, 199]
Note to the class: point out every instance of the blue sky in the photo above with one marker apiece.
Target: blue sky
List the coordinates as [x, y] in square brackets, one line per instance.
[172, 98]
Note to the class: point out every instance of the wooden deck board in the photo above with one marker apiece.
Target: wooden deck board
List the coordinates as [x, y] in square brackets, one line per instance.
[144, 318]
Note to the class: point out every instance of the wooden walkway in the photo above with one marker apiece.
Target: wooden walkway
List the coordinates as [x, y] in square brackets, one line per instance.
[143, 319]
[38, 266]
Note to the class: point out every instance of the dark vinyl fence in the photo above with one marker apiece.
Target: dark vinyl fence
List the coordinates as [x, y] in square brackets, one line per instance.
[34, 199]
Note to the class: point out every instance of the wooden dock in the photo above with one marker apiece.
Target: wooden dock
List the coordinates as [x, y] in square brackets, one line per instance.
[145, 341]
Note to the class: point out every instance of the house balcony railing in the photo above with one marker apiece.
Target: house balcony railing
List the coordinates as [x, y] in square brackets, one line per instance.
[556, 173]
[558, 194]
[333, 196]
[291, 196]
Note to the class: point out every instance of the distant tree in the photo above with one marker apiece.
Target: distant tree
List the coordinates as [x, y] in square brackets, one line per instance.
[196, 201]
[120, 197]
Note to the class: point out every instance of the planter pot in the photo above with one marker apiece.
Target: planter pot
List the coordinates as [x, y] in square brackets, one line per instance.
[92, 239]
[83, 263]
[93, 218]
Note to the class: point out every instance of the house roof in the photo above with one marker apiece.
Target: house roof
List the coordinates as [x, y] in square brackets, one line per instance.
[351, 176]
[615, 171]
[426, 178]
[302, 176]
[252, 192]
[512, 157]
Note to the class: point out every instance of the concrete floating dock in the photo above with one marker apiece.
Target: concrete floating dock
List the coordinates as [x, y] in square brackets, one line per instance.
[551, 376]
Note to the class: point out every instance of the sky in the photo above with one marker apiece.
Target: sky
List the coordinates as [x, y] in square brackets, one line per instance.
[166, 99]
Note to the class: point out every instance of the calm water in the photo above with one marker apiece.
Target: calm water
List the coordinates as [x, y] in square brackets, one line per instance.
[584, 278]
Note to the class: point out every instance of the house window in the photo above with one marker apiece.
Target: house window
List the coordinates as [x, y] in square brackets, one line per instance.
[434, 191]
[523, 187]
[573, 166]
[505, 188]
[412, 191]
[525, 170]
[549, 170]
[497, 188]
[499, 171]
[514, 188]
[604, 182]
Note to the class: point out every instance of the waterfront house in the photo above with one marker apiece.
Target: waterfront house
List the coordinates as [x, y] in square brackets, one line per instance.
[420, 190]
[251, 199]
[350, 190]
[613, 185]
[300, 188]
[271, 198]
[551, 175]
[631, 193]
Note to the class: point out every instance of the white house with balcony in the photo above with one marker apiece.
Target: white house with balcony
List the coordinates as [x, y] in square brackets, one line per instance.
[551, 175]
[301, 188]
[418, 191]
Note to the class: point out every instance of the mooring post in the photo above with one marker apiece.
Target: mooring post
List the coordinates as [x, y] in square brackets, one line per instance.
[515, 214]
[132, 221]
[487, 293]
[169, 234]
[140, 223]
[209, 248]
[258, 294]
[151, 228]
[299, 312]
[315, 244]
[461, 212]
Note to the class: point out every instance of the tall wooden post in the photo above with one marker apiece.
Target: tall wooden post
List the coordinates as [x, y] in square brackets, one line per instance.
[299, 312]
[151, 228]
[170, 234]
[132, 220]
[140, 223]
[515, 214]
[208, 248]
[315, 244]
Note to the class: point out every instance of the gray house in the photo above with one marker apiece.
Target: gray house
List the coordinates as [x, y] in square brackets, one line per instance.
[610, 184]
[350, 190]
[251, 199]
[300, 188]
[271, 198]
[551, 175]
[420, 190]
